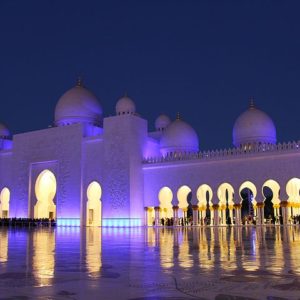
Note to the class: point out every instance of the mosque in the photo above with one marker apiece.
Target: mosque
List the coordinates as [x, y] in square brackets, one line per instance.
[91, 170]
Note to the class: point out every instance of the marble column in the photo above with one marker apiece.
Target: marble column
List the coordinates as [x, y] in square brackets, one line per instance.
[260, 213]
[195, 215]
[290, 211]
[222, 211]
[238, 217]
[157, 220]
[231, 213]
[276, 212]
[284, 212]
[215, 208]
[146, 216]
[175, 215]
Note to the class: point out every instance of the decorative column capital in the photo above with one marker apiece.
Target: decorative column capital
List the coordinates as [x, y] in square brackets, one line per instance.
[215, 206]
[157, 208]
[195, 207]
[223, 206]
[260, 204]
[175, 207]
[284, 203]
[237, 205]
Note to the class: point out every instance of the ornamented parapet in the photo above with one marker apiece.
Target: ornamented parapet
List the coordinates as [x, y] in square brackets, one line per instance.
[249, 150]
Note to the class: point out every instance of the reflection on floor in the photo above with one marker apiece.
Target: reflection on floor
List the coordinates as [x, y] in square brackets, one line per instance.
[150, 263]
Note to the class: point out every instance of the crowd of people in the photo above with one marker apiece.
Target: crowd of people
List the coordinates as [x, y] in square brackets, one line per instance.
[295, 219]
[246, 220]
[26, 222]
[188, 221]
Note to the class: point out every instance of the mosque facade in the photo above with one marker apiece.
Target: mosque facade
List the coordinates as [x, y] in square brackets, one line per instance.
[92, 170]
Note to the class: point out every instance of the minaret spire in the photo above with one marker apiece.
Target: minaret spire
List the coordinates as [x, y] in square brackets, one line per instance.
[251, 101]
[79, 81]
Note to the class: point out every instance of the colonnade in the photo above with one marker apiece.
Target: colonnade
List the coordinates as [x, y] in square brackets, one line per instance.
[218, 215]
[226, 208]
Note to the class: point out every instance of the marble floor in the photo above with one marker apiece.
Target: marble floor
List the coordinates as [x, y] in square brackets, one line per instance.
[150, 263]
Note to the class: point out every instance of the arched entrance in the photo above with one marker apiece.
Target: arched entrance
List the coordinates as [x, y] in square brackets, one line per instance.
[45, 191]
[93, 207]
[225, 195]
[4, 202]
[185, 212]
[165, 197]
[204, 196]
[293, 191]
[270, 191]
[248, 193]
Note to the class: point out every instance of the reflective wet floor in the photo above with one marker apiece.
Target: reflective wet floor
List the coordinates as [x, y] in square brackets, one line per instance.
[150, 263]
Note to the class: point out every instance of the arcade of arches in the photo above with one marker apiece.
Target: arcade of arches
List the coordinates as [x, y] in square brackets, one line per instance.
[248, 204]
[45, 192]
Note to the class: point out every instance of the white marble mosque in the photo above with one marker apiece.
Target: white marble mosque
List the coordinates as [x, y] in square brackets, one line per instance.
[92, 170]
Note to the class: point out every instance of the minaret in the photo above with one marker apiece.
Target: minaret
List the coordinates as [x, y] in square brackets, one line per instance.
[79, 81]
[252, 105]
[125, 137]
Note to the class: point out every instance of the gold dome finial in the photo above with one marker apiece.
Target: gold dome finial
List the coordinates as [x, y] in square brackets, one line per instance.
[79, 81]
[178, 116]
[251, 100]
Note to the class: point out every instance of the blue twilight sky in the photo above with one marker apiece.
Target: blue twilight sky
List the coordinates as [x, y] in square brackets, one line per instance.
[201, 58]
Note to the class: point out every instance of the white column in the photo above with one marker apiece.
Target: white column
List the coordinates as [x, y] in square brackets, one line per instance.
[284, 212]
[175, 215]
[146, 216]
[157, 209]
[195, 215]
[238, 219]
[216, 214]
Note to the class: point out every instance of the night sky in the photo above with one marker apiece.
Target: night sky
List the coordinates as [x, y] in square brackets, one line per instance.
[203, 59]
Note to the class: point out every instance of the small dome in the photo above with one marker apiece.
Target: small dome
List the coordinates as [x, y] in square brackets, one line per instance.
[125, 106]
[253, 126]
[179, 137]
[162, 122]
[4, 132]
[78, 105]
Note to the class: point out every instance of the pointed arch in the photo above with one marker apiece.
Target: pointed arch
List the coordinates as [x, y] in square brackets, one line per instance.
[4, 202]
[293, 192]
[165, 197]
[204, 196]
[225, 194]
[45, 191]
[94, 205]
[182, 194]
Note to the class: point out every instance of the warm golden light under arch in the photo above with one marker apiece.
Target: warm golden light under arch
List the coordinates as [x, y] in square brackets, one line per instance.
[4, 202]
[93, 207]
[165, 197]
[45, 191]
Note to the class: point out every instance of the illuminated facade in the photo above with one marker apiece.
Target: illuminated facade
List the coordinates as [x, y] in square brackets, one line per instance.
[90, 170]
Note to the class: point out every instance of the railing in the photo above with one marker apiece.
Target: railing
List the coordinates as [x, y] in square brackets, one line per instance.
[250, 149]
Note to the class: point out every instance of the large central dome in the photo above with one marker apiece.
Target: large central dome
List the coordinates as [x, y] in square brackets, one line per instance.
[78, 105]
[179, 137]
[252, 127]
